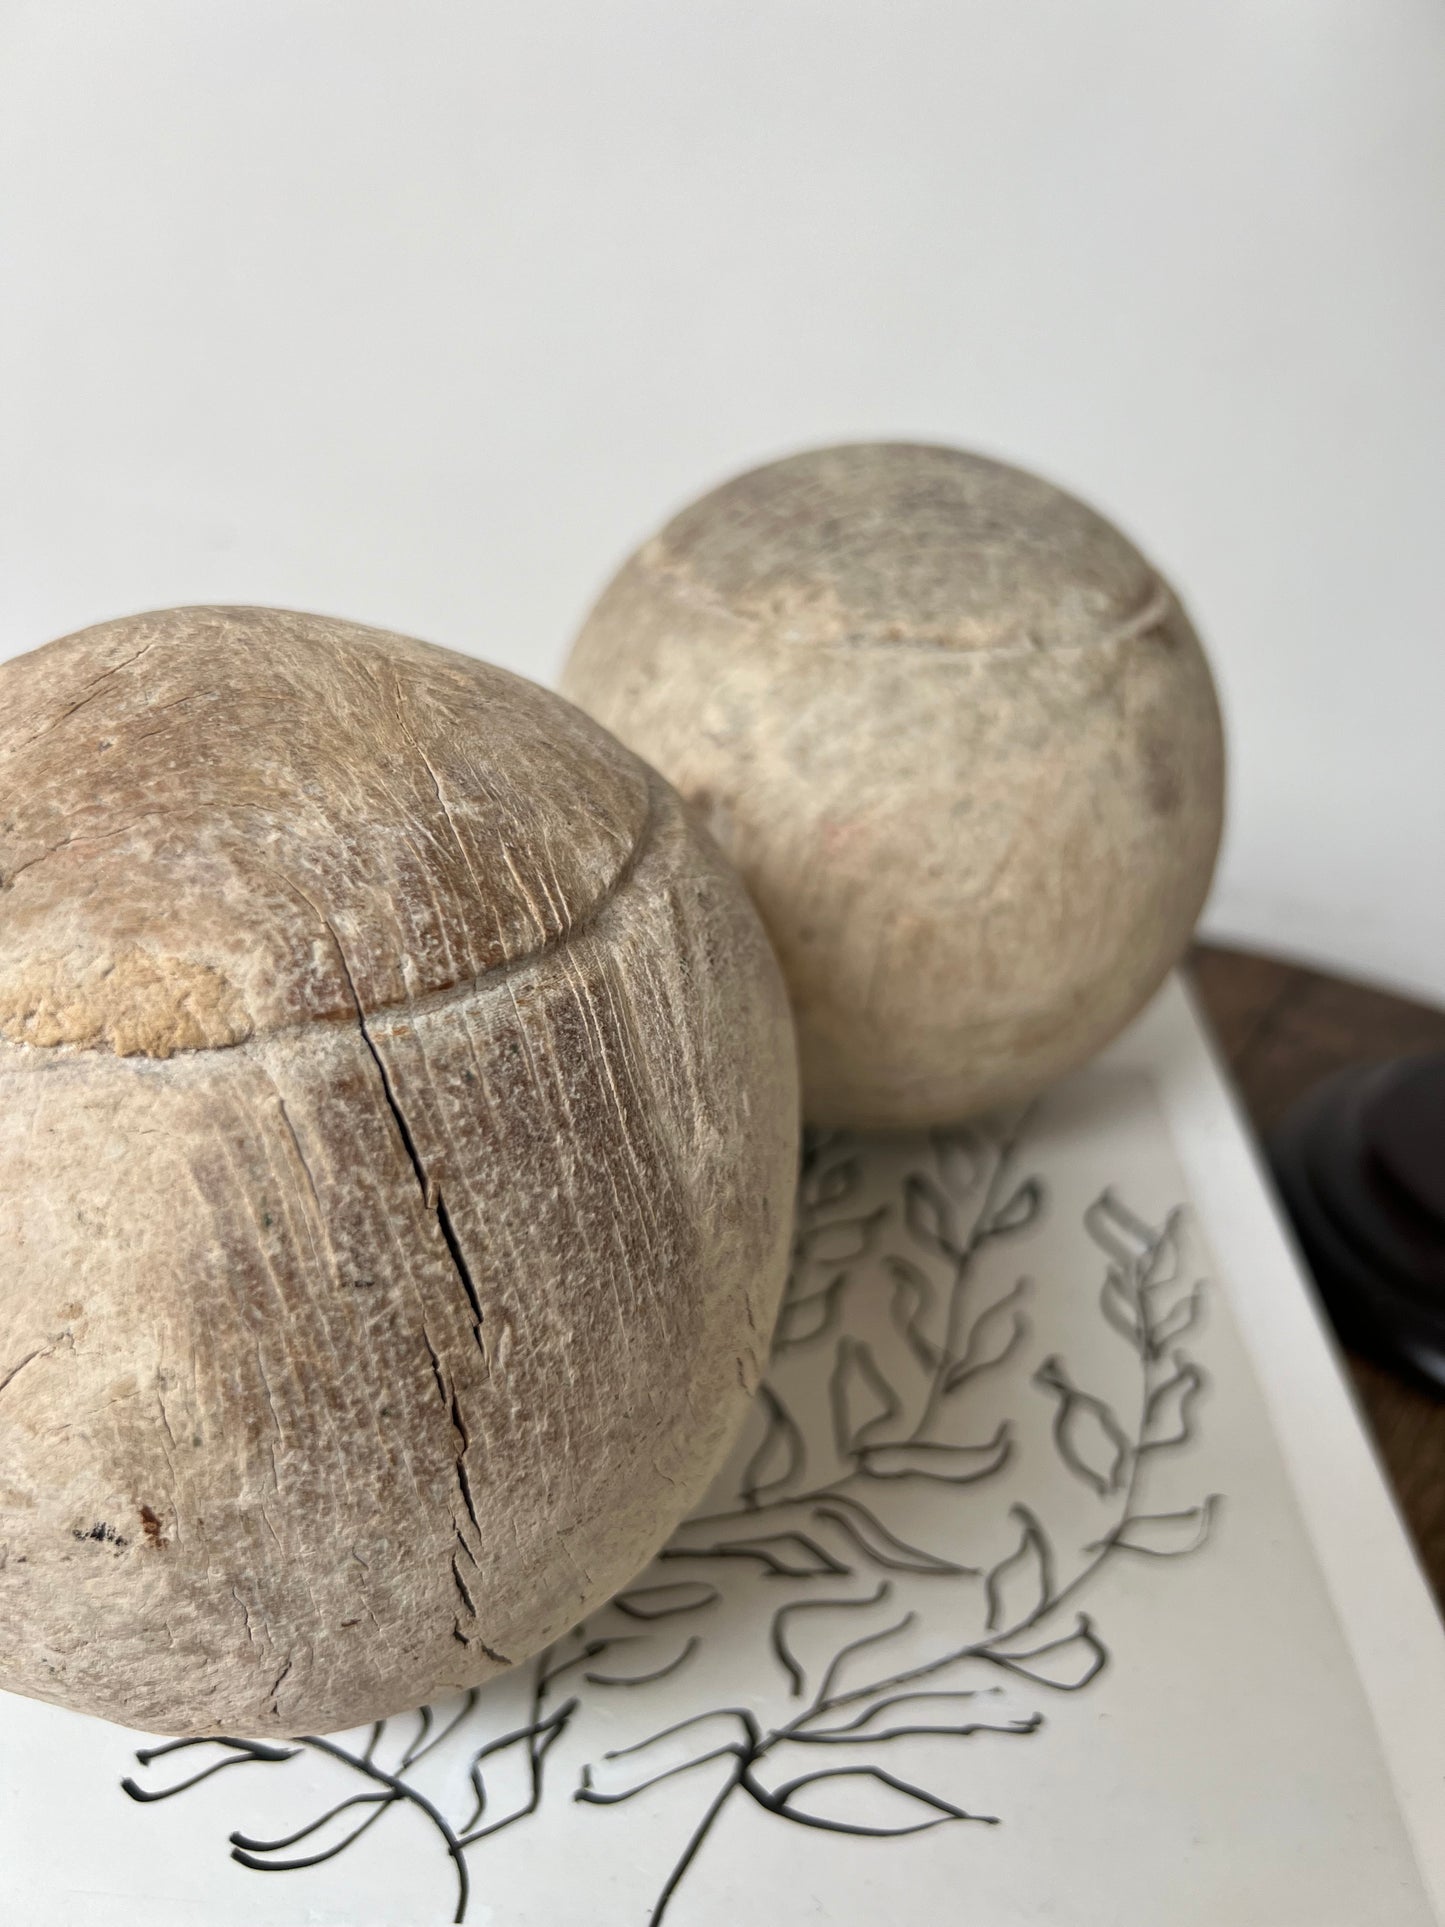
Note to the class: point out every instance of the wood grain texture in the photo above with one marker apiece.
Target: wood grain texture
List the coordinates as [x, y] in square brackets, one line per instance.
[1283, 1028]
[398, 1127]
[961, 741]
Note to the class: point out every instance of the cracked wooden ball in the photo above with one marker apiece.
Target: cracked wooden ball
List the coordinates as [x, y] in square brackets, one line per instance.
[398, 1123]
[959, 737]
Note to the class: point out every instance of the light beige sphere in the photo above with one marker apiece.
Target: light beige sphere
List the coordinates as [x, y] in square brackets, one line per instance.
[398, 1127]
[959, 737]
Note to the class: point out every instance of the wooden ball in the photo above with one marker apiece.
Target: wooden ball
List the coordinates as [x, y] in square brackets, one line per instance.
[961, 741]
[398, 1125]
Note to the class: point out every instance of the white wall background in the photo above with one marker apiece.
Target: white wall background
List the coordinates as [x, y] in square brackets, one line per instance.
[424, 311]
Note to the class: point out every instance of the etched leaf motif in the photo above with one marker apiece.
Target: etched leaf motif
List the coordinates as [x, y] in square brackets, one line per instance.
[841, 1241]
[1090, 1440]
[1020, 1212]
[785, 1619]
[862, 1400]
[868, 1642]
[901, 1716]
[1117, 1231]
[1067, 1664]
[608, 1793]
[1182, 1318]
[879, 1546]
[323, 1838]
[1162, 1257]
[504, 1773]
[802, 1319]
[929, 1216]
[960, 1156]
[665, 1670]
[723, 1732]
[909, 1308]
[813, 1799]
[1120, 1309]
[779, 1456]
[1164, 1535]
[951, 1464]
[523, 1755]
[830, 1184]
[1168, 1418]
[666, 1601]
[997, 1334]
[1020, 1586]
[781, 1555]
[233, 1753]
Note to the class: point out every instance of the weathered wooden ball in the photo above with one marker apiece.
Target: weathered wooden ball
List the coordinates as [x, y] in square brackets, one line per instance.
[398, 1122]
[960, 739]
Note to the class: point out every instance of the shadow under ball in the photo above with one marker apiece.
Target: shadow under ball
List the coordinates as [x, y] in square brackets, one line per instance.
[960, 739]
[398, 1130]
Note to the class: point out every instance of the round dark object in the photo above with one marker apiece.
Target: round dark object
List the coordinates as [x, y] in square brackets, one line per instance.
[1405, 1124]
[1360, 1164]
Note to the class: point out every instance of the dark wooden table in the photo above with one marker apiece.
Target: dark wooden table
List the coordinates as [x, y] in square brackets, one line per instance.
[1282, 1028]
